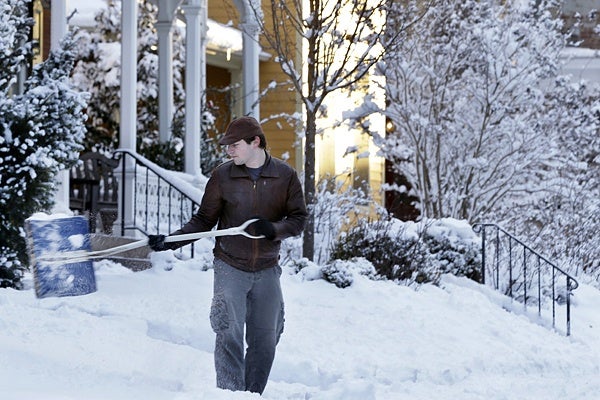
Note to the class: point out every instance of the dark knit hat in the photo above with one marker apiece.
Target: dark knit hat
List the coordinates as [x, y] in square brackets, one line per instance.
[241, 128]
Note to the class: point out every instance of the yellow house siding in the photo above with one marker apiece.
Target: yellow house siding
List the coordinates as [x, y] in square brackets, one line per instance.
[376, 177]
[222, 11]
[280, 134]
[280, 100]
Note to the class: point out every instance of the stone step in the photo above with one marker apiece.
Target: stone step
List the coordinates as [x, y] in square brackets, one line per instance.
[136, 259]
[134, 264]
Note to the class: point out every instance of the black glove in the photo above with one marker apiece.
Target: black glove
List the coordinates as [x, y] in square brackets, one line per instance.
[264, 227]
[157, 243]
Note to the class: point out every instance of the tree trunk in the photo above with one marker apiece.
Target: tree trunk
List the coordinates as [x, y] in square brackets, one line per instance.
[308, 245]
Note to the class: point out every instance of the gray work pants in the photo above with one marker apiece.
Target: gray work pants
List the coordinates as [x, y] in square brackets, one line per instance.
[252, 299]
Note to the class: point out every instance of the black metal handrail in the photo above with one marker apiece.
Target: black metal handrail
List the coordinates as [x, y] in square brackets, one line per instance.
[172, 205]
[519, 272]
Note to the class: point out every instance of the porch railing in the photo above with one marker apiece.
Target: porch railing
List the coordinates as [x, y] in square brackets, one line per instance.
[514, 268]
[150, 203]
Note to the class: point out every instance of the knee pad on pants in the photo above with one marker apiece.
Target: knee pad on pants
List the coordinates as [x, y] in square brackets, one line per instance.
[219, 314]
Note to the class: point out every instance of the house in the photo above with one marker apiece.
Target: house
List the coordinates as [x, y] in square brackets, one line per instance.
[226, 51]
[230, 57]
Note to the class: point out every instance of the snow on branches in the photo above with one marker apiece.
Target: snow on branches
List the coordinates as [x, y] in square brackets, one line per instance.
[41, 130]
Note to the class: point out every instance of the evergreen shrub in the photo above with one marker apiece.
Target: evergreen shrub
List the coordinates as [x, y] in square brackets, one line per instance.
[11, 269]
[343, 272]
[458, 258]
[41, 133]
[410, 252]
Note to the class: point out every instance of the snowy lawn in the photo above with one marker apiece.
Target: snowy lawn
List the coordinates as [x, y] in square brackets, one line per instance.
[146, 335]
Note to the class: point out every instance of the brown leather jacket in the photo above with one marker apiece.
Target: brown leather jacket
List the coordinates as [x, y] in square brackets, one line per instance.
[231, 198]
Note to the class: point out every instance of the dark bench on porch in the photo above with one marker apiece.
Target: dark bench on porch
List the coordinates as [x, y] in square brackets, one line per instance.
[94, 189]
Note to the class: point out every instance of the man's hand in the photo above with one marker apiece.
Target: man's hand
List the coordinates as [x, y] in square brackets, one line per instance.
[157, 242]
[264, 227]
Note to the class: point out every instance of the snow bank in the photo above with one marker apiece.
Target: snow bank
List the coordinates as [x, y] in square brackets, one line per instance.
[146, 336]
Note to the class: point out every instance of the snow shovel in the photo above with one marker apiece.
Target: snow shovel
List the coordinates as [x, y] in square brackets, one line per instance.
[84, 255]
[56, 234]
[51, 258]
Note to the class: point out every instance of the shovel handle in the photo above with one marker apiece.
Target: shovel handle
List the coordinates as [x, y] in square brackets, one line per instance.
[238, 230]
[70, 257]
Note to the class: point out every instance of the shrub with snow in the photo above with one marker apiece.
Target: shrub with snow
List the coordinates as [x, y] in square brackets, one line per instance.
[452, 248]
[393, 255]
[41, 131]
[414, 252]
[337, 204]
[342, 273]
[306, 269]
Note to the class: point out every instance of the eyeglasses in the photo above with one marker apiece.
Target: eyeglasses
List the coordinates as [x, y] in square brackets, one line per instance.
[231, 146]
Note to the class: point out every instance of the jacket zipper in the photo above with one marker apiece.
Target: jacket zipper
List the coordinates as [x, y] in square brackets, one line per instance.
[254, 241]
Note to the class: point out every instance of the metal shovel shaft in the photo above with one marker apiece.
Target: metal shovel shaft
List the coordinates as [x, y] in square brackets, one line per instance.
[81, 255]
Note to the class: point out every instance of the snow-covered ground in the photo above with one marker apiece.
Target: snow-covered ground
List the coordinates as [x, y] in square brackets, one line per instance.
[146, 335]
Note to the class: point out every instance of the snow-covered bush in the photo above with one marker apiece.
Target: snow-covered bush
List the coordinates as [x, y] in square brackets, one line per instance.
[452, 248]
[414, 252]
[41, 131]
[11, 268]
[391, 252]
[337, 205]
[308, 270]
[342, 273]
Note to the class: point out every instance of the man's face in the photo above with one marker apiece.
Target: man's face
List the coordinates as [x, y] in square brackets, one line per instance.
[240, 152]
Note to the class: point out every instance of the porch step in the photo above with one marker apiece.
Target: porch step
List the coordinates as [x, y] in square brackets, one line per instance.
[134, 264]
[136, 259]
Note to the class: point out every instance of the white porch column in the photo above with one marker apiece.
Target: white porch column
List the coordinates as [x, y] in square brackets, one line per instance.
[127, 124]
[250, 70]
[58, 30]
[58, 22]
[165, 78]
[195, 81]
[164, 26]
[250, 10]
